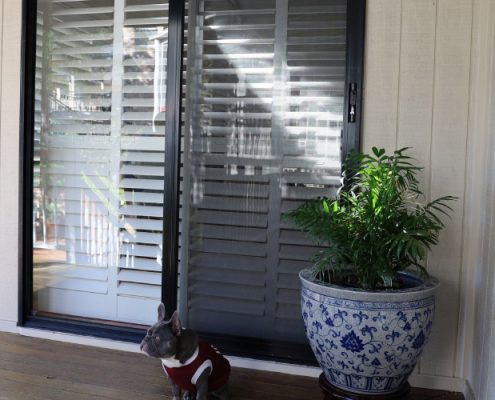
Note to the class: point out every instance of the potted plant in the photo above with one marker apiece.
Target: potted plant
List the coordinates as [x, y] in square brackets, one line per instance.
[368, 301]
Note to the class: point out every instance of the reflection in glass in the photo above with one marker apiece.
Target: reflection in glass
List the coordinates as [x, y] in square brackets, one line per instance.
[99, 161]
[266, 103]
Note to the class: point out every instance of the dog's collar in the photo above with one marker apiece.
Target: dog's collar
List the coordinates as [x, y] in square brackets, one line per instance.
[172, 362]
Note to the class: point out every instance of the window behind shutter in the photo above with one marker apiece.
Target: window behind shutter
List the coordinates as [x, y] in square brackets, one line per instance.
[99, 123]
[266, 97]
[75, 142]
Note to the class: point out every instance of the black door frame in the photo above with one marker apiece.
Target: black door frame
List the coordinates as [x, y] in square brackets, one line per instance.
[172, 154]
[238, 346]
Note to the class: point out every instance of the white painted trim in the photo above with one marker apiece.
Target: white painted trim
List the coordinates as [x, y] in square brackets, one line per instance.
[468, 392]
[8, 326]
[477, 174]
[79, 339]
[475, 340]
[438, 382]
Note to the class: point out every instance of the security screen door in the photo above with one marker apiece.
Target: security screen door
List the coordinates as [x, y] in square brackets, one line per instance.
[99, 158]
[263, 106]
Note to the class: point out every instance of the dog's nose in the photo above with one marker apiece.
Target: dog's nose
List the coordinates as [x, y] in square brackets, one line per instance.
[144, 342]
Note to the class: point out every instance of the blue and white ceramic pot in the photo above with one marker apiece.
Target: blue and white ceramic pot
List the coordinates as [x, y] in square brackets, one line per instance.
[368, 342]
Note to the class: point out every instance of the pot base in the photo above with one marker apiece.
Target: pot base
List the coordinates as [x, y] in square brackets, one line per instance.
[335, 393]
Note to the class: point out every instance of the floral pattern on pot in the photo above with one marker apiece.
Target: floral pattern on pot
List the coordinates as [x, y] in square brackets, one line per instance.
[363, 346]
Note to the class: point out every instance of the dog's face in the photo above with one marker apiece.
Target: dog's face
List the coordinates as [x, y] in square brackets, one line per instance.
[161, 339]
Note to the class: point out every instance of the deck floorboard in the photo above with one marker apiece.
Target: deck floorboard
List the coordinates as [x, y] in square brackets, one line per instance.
[37, 369]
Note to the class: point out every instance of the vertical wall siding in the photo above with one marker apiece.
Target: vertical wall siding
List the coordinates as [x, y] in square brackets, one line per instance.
[10, 40]
[417, 70]
[478, 354]
[448, 155]
[381, 68]
[416, 77]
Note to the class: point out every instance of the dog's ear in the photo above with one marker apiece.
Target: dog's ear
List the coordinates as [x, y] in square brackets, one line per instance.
[175, 324]
[161, 312]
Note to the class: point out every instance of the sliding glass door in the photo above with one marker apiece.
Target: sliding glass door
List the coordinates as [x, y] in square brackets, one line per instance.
[266, 95]
[165, 152]
[99, 158]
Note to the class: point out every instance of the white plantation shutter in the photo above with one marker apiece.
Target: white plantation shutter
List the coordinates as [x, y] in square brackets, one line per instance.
[266, 97]
[76, 140]
[102, 160]
[142, 157]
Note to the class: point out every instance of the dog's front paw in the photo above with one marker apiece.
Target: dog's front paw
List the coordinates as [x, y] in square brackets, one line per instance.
[189, 396]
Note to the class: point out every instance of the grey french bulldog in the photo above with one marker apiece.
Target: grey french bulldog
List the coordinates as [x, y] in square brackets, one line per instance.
[194, 368]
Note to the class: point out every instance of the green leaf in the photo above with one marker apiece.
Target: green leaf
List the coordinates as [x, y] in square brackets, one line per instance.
[325, 206]
[378, 152]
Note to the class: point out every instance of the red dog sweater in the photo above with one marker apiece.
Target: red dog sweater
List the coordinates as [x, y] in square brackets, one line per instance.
[185, 375]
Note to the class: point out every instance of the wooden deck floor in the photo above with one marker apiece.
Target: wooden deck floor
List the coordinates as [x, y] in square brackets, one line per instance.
[46, 370]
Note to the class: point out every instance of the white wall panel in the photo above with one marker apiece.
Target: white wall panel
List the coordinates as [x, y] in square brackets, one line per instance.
[10, 36]
[381, 65]
[420, 62]
[448, 160]
[416, 78]
[476, 355]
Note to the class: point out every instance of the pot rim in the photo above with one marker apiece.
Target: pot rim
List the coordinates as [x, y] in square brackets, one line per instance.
[429, 284]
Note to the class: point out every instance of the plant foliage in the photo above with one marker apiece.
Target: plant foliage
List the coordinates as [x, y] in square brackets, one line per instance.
[378, 224]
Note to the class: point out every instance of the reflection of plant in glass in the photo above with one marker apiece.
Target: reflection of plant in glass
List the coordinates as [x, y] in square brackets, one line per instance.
[378, 225]
[51, 209]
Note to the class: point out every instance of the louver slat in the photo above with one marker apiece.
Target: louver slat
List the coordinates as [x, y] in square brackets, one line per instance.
[147, 7]
[142, 264]
[83, 11]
